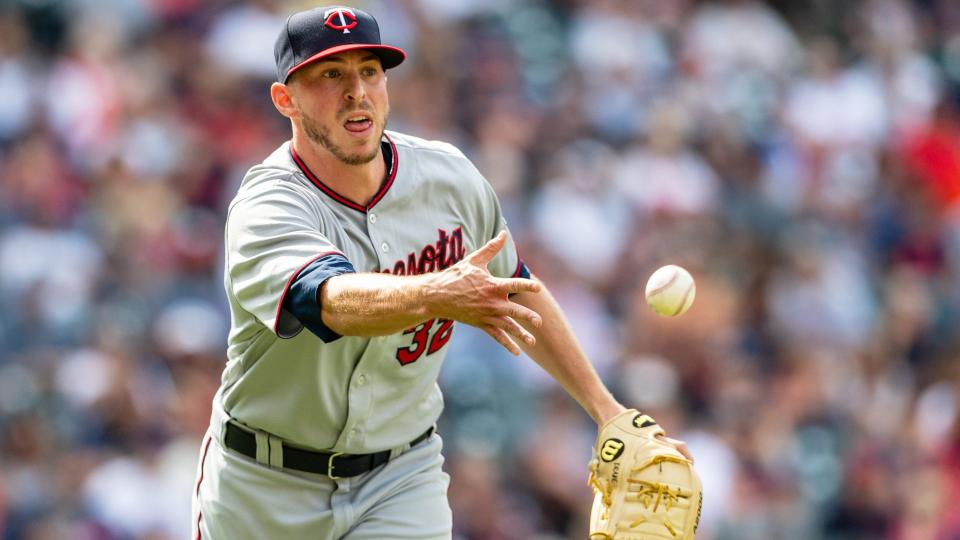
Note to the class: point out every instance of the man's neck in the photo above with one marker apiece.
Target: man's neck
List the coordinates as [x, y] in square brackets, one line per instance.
[358, 183]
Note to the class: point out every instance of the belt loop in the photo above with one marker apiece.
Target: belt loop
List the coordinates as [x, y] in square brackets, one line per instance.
[394, 452]
[263, 447]
[222, 433]
[276, 451]
[219, 420]
[397, 450]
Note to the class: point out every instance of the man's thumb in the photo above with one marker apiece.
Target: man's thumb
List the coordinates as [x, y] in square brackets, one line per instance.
[489, 250]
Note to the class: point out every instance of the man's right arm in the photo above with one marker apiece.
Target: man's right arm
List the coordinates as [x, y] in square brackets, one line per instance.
[376, 304]
[372, 304]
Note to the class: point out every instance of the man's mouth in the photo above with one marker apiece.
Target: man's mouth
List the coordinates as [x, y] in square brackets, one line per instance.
[358, 123]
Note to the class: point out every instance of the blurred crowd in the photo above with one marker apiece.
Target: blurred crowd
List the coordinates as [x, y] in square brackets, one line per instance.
[801, 158]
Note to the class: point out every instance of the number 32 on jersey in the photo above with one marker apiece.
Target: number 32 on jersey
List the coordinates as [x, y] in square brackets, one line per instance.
[424, 341]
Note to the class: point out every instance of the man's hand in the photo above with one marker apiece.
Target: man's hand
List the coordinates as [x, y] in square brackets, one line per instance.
[618, 409]
[468, 293]
[678, 445]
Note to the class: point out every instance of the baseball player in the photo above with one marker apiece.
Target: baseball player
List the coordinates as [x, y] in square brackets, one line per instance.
[351, 252]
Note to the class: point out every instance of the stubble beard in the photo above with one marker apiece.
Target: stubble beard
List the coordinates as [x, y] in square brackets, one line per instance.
[321, 136]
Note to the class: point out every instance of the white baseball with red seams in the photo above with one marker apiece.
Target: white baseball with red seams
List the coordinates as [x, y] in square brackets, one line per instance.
[671, 290]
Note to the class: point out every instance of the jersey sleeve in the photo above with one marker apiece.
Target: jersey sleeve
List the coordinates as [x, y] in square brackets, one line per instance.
[507, 263]
[302, 299]
[272, 236]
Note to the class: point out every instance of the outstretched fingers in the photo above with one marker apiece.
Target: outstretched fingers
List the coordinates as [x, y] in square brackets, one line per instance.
[503, 339]
[489, 250]
[512, 328]
[522, 313]
[518, 285]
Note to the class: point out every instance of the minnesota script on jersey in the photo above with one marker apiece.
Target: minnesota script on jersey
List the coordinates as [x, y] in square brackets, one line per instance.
[353, 394]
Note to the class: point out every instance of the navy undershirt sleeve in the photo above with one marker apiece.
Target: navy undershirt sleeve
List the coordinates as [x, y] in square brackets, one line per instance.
[302, 300]
[522, 271]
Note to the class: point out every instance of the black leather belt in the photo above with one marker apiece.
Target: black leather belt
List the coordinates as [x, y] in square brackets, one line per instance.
[334, 465]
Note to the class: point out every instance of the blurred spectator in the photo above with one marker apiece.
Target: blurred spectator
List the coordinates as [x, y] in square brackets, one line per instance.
[241, 38]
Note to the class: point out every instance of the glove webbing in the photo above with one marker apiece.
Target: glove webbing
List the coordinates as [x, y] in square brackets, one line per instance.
[644, 493]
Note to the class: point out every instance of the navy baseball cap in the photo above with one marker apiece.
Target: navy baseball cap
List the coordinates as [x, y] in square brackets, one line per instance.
[317, 33]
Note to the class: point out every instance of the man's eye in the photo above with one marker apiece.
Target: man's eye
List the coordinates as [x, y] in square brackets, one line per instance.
[370, 72]
[331, 74]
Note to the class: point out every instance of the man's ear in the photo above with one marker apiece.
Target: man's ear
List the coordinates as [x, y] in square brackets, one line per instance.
[283, 99]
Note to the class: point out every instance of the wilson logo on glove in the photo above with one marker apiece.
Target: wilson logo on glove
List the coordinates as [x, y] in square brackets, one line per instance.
[612, 448]
[641, 421]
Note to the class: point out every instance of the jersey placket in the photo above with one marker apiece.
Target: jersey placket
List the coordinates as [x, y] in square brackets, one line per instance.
[378, 240]
[360, 407]
[359, 391]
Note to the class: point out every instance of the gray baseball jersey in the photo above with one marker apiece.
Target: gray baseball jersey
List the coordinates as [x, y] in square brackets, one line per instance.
[351, 394]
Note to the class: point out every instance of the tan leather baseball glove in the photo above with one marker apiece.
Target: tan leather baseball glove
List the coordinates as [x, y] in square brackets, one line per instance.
[644, 489]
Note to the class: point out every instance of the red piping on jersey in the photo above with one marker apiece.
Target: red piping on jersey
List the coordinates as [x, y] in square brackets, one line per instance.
[286, 288]
[203, 460]
[516, 272]
[340, 198]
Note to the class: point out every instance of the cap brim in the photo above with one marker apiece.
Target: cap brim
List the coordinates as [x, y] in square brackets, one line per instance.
[390, 57]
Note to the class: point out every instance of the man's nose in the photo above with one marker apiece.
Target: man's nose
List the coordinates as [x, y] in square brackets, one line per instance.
[354, 90]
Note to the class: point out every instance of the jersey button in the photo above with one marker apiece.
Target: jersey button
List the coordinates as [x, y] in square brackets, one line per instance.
[361, 380]
[385, 247]
[372, 217]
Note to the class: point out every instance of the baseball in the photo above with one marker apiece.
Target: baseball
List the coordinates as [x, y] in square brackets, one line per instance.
[670, 290]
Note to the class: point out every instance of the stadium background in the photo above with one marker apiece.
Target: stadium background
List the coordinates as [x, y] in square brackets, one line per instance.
[801, 158]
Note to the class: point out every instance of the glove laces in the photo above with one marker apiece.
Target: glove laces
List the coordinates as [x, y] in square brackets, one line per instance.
[652, 495]
[605, 491]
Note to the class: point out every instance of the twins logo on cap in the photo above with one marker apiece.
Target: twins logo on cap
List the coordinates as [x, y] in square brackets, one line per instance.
[336, 18]
[315, 34]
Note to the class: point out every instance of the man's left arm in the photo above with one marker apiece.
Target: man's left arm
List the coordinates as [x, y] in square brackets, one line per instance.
[556, 348]
[559, 353]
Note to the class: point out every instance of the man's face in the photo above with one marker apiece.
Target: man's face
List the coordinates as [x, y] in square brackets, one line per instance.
[343, 105]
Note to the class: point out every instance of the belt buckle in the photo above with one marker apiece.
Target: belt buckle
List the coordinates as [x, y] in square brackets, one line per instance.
[330, 474]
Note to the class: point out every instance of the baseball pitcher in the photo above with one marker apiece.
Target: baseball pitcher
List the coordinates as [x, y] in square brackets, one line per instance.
[351, 253]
